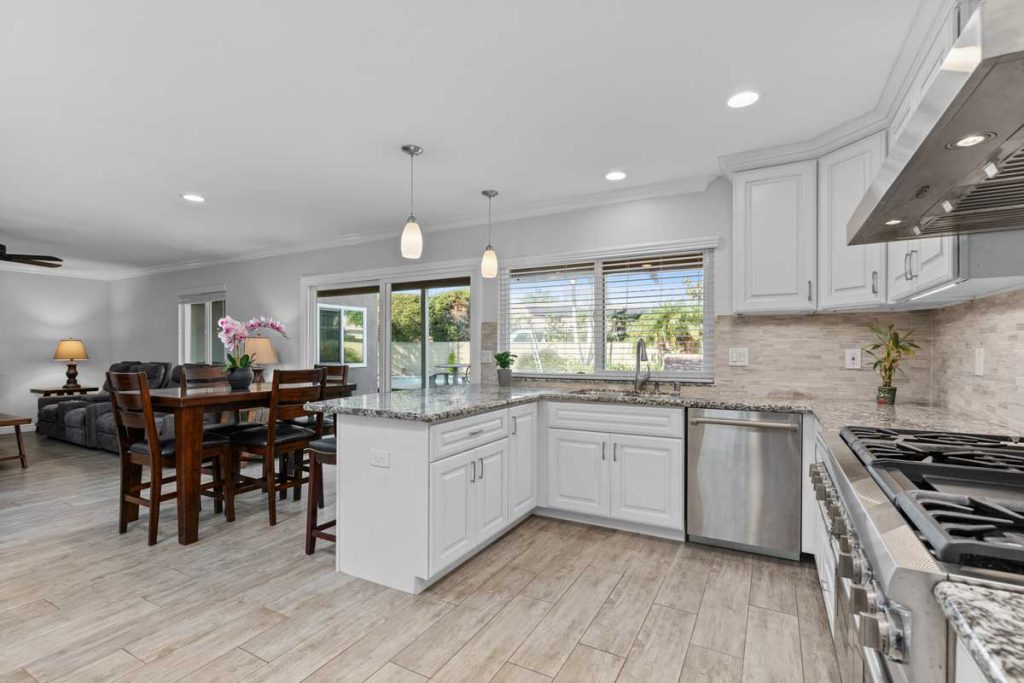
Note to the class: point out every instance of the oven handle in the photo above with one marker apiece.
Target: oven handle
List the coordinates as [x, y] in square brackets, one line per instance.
[755, 424]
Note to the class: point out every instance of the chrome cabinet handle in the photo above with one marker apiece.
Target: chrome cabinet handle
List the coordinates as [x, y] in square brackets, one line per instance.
[476, 432]
[906, 266]
[743, 423]
[911, 261]
[603, 444]
[809, 286]
[473, 478]
[615, 452]
[874, 282]
[481, 469]
[514, 425]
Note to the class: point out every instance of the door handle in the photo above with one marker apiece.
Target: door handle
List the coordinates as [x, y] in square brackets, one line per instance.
[603, 444]
[481, 469]
[615, 452]
[473, 478]
[874, 282]
[514, 425]
[911, 261]
[809, 287]
[755, 424]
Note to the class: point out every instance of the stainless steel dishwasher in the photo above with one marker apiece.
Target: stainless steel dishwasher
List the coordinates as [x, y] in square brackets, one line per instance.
[743, 480]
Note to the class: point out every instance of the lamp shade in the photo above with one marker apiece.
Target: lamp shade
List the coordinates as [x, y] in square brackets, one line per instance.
[70, 349]
[261, 350]
[412, 239]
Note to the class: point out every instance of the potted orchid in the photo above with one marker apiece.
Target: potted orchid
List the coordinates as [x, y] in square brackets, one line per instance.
[233, 334]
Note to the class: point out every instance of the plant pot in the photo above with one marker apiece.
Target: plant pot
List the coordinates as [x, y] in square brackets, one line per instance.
[240, 378]
[504, 377]
[886, 396]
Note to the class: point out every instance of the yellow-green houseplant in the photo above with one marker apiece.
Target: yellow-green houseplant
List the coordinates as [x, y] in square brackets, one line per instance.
[889, 349]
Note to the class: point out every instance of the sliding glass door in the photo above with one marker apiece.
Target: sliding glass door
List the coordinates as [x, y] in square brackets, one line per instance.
[430, 333]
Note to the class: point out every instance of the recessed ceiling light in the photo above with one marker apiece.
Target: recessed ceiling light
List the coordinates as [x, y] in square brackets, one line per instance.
[615, 176]
[893, 221]
[194, 198]
[974, 139]
[743, 99]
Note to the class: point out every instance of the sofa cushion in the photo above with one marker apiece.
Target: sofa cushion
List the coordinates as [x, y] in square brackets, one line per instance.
[48, 413]
[75, 418]
[156, 373]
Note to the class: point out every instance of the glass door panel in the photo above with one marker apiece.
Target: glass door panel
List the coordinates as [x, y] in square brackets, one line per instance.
[448, 335]
[407, 338]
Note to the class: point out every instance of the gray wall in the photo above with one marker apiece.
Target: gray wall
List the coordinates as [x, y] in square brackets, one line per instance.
[271, 286]
[38, 310]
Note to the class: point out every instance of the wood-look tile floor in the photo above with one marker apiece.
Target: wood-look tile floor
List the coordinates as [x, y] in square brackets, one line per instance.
[549, 601]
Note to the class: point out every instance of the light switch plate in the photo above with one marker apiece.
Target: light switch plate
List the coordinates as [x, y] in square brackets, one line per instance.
[380, 458]
[852, 359]
[979, 361]
[739, 356]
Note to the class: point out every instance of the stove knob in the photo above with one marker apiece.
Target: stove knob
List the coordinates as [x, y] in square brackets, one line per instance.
[840, 527]
[863, 598]
[845, 544]
[820, 492]
[874, 631]
[848, 566]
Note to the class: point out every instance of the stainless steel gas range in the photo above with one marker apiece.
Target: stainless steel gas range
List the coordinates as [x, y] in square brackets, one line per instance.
[903, 510]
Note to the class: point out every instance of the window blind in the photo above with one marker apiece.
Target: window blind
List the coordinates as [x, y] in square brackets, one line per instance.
[586, 318]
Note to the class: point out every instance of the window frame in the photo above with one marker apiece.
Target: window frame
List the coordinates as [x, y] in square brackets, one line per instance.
[342, 309]
[705, 245]
[185, 303]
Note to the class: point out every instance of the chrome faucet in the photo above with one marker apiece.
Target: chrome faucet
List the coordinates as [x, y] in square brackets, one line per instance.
[641, 355]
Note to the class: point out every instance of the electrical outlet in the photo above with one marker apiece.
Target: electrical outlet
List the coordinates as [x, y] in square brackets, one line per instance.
[380, 458]
[853, 359]
[979, 361]
[739, 356]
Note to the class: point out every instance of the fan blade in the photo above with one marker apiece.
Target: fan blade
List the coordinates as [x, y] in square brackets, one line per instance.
[32, 257]
[34, 262]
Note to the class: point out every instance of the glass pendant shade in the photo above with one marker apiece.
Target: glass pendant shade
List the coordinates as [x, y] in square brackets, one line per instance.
[412, 239]
[489, 263]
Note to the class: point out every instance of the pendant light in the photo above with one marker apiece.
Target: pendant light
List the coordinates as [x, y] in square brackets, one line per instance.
[489, 262]
[412, 237]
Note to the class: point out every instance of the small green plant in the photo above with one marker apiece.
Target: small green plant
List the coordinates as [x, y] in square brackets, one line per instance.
[505, 359]
[889, 349]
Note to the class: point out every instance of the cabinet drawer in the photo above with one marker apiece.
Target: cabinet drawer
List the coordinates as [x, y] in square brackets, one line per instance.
[617, 419]
[457, 436]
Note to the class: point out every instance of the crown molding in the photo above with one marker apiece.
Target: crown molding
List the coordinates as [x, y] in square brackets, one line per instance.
[927, 22]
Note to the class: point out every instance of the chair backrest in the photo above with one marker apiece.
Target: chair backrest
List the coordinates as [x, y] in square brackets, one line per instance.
[195, 376]
[133, 412]
[291, 389]
[335, 373]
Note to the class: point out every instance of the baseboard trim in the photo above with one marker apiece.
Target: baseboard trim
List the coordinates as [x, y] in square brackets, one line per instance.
[618, 525]
[24, 429]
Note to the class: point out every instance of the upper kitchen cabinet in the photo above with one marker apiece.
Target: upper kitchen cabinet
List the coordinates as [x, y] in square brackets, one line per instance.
[848, 276]
[774, 239]
[916, 266]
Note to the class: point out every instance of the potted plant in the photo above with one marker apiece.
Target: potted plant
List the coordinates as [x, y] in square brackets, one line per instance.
[889, 349]
[505, 359]
[233, 335]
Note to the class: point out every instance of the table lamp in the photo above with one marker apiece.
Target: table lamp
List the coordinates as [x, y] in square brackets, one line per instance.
[262, 353]
[71, 351]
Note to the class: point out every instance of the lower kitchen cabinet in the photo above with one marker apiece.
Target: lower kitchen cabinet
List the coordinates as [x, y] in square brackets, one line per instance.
[522, 461]
[625, 477]
[468, 502]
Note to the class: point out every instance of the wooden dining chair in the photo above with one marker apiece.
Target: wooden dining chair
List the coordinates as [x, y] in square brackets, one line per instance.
[321, 452]
[336, 374]
[140, 445]
[279, 439]
[196, 376]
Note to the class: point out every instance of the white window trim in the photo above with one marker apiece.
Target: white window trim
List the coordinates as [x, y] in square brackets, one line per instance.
[187, 297]
[341, 332]
[705, 244]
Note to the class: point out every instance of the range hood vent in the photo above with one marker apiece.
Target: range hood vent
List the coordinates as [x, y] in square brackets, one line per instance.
[929, 185]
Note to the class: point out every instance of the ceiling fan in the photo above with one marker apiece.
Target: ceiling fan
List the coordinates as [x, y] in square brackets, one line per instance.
[30, 259]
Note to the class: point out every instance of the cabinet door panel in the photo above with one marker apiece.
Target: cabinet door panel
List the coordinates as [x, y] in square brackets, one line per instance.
[577, 471]
[452, 514]
[848, 276]
[491, 490]
[773, 235]
[522, 461]
[934, 262]
[647, 480]
[900, 283]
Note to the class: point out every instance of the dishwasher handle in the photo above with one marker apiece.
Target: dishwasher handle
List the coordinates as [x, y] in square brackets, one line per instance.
[753, 424]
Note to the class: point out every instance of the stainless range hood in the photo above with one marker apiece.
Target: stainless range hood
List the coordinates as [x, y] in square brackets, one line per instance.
[958, 166]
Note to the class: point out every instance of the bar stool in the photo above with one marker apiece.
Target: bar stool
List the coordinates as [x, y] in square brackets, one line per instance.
[321, 452]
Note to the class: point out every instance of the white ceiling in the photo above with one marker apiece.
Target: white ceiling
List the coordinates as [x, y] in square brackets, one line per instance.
[288, 115]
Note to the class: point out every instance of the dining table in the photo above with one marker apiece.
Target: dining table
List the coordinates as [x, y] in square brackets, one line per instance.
[189, 420]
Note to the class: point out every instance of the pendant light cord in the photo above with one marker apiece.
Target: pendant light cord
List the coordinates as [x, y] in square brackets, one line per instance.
[489, 220]
[412, 179]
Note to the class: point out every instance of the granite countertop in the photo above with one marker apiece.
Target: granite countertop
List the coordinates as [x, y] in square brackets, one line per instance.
[988, 621]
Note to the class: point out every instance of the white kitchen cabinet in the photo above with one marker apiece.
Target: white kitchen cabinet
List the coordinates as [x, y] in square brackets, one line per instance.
[453, 502]
[848, 276]
[916, 266]
[522, 461]
[647, 480]
[578, 471]
[967, 670]
[491, 490]
[774, 239]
